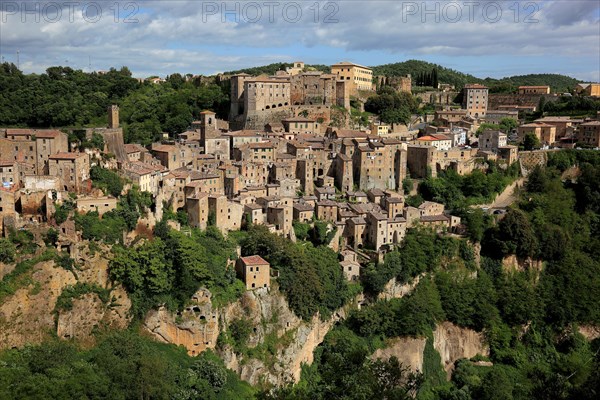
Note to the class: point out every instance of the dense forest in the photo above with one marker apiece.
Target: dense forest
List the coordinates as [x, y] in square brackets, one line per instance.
[418, 68]
[391, 106]
[422, 71]
[271, 69]
[558, 83]
[124, 365]
[63, 97]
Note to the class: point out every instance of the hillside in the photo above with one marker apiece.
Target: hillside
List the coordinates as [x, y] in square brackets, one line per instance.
[272, 68]
[558, 83]
[416, 67]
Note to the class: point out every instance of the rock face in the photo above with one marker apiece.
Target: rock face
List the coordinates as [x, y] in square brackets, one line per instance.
[5, 269]
[454, 343]
[196, 328]
[513, 263]
[298, 339]
[409, 351]
[590, 332]
[395, 290]
[28, 316]
[89, 312]
[449, 340]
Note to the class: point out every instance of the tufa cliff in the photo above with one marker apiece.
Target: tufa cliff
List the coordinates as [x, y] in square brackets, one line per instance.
[450, 341]
[278, 344]
[30, 314]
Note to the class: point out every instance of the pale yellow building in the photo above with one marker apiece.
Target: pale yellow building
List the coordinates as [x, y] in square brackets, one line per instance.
[534, 89]
[254, 271]
[101, 205]
[360, 78]
[475, 100]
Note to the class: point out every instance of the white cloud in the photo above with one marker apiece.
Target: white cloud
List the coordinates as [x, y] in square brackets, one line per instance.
[190, 36]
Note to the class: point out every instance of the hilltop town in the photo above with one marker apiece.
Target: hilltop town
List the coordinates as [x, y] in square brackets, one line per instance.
[280, 160]
[314, 226]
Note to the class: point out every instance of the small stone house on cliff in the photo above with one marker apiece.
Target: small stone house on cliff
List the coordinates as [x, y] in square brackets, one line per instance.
[254, 271]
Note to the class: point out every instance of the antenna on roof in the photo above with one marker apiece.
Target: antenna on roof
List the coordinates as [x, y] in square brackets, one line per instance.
[18, 61]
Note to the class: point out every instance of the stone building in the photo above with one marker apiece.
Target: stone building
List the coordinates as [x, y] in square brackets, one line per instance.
[254, 271]
[545, 133]
[9, 173]
[300, 126]
[534, 89]
[589, 133]
[399, 83]
[101, 205]
[449, 116]
[379, 164]
[196, 207]
[360, 77]
[475, 100]
[113, 117]
[350, 265]
[147, 177]
[258, 101]
[9, 203]
[49, 142]
[227, 214]
[72, 168]
[565, 126]
[491, 140]
[33, 147]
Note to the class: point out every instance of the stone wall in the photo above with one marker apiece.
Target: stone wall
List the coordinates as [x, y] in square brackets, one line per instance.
[500, 99]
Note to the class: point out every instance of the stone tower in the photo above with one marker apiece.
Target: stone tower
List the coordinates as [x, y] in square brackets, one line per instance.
[113, 117]
[208, 125]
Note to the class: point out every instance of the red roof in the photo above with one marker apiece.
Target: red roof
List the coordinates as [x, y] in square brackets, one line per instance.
[164, 148]
[254, 260]
[15, 132]
[47, 134]
[432, 138]
[66, 156]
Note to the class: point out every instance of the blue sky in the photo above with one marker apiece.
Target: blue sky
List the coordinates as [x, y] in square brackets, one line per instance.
[481, 37]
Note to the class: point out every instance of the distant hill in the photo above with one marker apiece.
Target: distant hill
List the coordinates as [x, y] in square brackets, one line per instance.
[272, 68]
[416, 67]
[558, 83]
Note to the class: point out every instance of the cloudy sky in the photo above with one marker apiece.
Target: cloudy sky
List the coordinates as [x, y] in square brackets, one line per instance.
[482, 37]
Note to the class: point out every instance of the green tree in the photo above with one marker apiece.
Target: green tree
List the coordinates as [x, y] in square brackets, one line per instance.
[107, 180]
[7, 251]
[531, 142]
